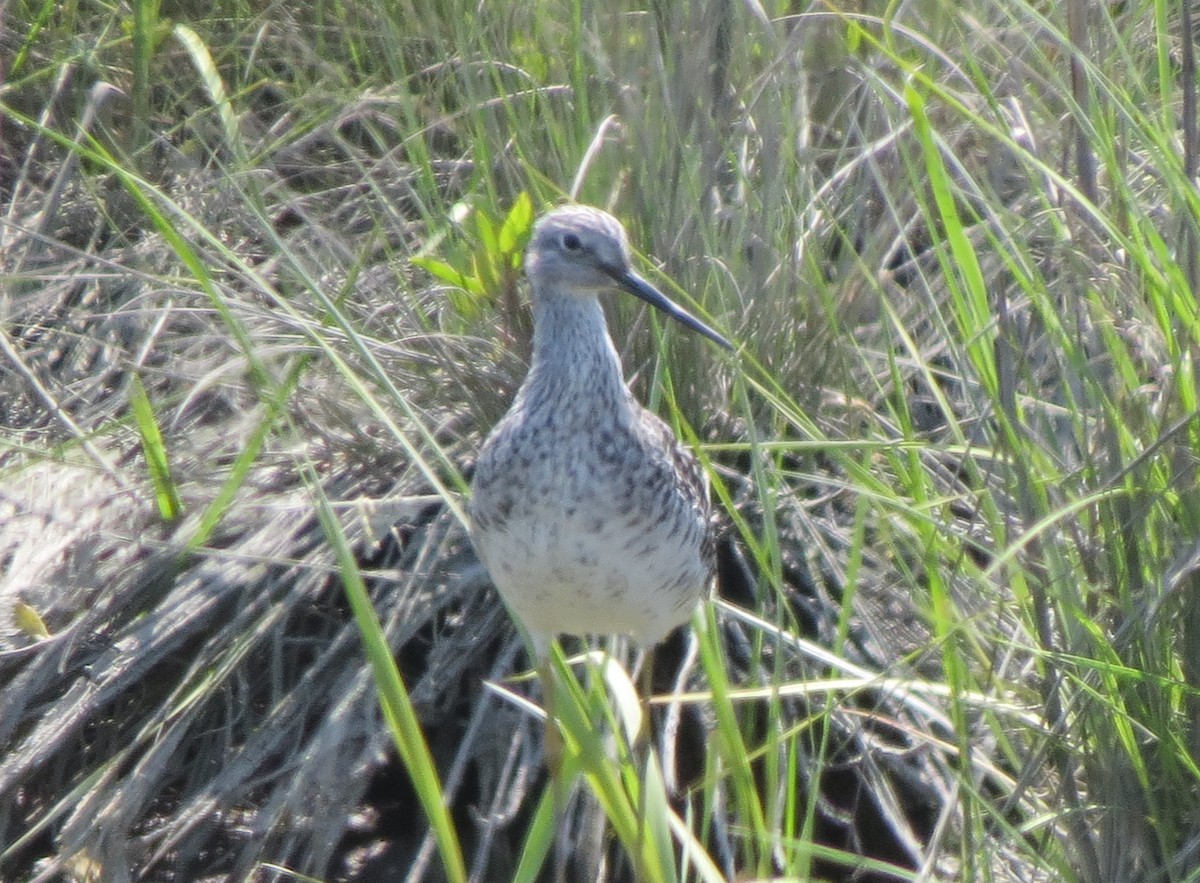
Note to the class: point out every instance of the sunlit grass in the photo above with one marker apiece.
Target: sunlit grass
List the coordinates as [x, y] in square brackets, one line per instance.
[955, 448]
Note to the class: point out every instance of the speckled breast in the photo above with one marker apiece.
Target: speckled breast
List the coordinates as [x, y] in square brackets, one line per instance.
[604, 534]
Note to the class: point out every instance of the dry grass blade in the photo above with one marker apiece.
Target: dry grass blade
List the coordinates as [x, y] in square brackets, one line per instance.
[956, 453]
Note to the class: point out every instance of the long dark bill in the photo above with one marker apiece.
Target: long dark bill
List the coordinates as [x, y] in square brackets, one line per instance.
[640, 288]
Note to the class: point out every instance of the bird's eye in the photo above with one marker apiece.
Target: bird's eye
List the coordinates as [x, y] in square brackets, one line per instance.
[571, 242]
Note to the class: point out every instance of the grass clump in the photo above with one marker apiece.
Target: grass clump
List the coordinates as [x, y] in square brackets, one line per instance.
[261, 304]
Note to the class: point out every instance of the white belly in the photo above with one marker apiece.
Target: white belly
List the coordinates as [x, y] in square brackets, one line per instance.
[591, 520]
[595, 574]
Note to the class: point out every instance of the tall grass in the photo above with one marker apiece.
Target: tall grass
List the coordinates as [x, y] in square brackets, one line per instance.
[956, 448]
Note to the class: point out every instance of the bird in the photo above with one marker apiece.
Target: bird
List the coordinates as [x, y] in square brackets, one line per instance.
[587, 512]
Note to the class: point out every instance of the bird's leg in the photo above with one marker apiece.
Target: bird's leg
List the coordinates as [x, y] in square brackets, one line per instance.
[644, 743]
[645, 734]
[552, 745]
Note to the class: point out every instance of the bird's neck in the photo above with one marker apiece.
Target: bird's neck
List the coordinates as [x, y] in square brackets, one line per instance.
[573, 355]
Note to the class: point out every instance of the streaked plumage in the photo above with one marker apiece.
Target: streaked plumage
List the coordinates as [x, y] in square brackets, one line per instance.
[587, 512]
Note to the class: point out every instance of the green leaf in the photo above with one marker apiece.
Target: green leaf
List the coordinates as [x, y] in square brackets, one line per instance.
[466, 306]
[487, 272]
[486, 231]
[28, 620]
[394, 699]
[155, 450]
[448, 273]
[514, 233]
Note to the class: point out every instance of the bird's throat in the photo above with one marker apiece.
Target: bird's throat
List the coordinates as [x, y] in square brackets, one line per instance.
[573, 356]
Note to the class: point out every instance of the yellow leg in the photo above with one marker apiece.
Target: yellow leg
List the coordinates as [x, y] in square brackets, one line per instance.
[553, 745]
[645, 734]
[644, 745]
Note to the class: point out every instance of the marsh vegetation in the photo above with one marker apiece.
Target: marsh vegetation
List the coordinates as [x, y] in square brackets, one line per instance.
[260, 289]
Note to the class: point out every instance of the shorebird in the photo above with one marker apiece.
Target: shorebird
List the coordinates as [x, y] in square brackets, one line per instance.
[587, 512]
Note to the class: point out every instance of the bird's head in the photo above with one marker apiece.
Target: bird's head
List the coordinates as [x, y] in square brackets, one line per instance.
[582, 251]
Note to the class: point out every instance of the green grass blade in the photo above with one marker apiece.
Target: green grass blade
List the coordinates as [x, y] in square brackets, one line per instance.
[166, 494]
[393, 696]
